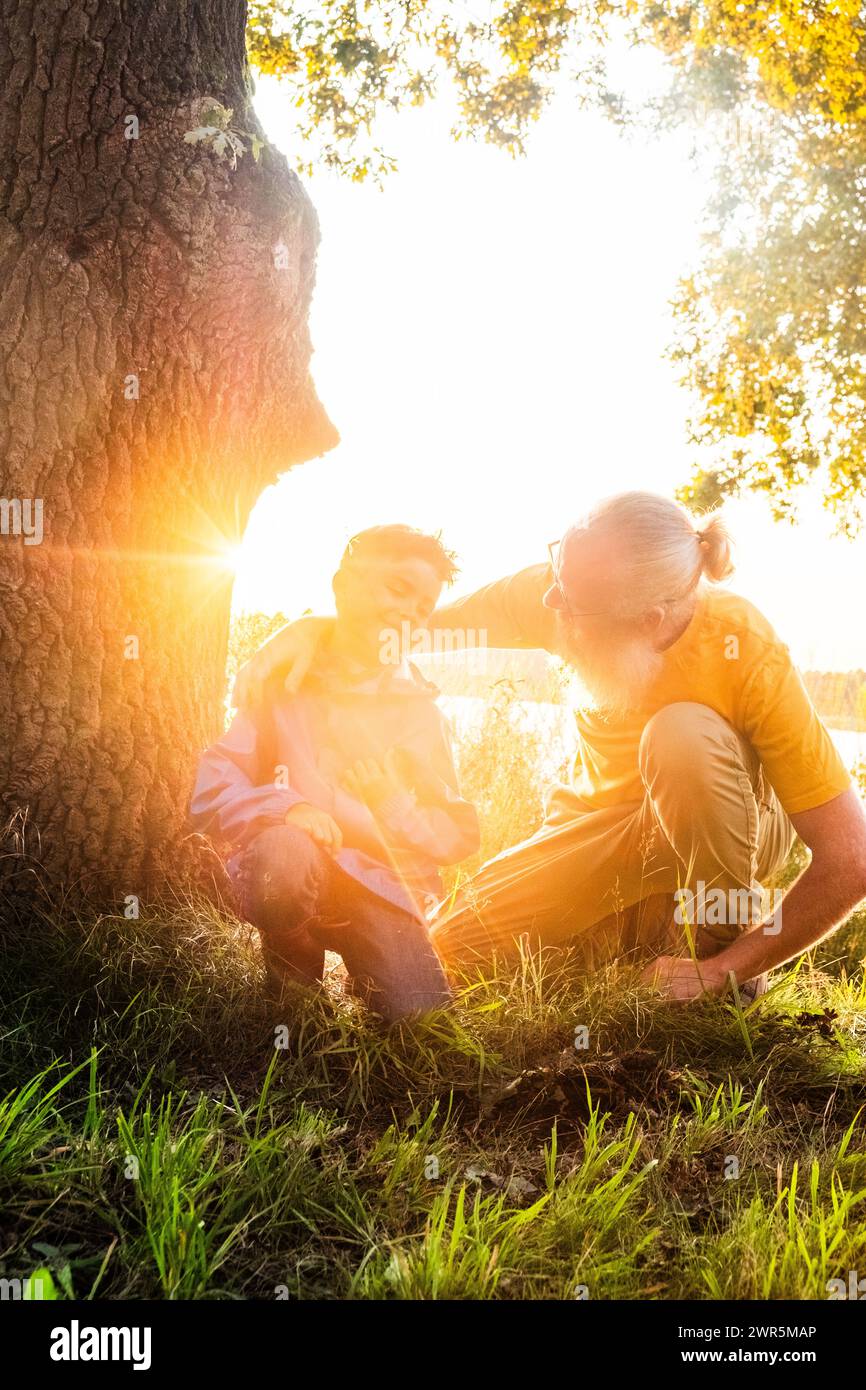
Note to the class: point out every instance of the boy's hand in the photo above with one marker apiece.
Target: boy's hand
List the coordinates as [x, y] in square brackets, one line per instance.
[373, 782]
[322, 829]
[292, 649]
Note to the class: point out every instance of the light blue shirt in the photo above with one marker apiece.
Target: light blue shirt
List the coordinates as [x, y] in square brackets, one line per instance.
[296, 748]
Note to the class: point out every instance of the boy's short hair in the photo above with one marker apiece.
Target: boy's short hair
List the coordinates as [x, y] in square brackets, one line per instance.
[400, 543]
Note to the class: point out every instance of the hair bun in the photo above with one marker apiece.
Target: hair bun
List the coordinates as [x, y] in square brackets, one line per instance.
[715, 546]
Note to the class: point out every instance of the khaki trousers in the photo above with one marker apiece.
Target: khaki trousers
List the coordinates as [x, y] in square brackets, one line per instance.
[609, 880]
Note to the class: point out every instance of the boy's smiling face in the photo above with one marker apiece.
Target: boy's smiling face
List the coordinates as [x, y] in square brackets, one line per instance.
[385, 595]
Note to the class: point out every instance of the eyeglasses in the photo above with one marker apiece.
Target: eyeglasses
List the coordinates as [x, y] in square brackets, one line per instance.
[553, 552]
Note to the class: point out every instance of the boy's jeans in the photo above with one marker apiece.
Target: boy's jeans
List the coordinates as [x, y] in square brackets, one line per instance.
[303, 903]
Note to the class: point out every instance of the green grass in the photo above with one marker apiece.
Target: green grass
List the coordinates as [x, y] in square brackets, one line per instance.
[168, 1132]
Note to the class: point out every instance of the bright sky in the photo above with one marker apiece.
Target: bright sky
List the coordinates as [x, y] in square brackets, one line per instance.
[489, 339]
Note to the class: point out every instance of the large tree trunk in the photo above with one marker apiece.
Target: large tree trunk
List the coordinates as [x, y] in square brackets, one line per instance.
[123, 259]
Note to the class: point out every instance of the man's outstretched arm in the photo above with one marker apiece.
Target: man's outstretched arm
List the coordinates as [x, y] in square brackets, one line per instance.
[819, 901]
[509, 612]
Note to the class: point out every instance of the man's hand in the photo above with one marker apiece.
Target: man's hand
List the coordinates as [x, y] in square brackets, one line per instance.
[292, 649]
[832, 886]
[681, 979]
[321, 828]
[373, 782]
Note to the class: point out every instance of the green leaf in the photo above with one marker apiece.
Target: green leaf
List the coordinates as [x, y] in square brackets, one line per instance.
[39, 1286]
[217, 115]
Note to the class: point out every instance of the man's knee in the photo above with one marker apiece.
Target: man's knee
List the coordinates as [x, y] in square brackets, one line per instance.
[706, 788]
[683, 743]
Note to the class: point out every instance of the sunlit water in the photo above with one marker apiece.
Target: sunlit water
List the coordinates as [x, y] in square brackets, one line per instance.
[557, 722]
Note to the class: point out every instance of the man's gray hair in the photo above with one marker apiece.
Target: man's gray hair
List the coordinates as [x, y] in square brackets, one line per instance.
[662, 551]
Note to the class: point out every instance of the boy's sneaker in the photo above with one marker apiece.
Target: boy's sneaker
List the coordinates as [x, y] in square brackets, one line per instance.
[282, 978]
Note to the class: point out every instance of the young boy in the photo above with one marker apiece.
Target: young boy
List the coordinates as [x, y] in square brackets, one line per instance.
[340, 801]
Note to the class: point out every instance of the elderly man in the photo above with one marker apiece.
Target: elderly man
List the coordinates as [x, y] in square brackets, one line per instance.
[699, 758]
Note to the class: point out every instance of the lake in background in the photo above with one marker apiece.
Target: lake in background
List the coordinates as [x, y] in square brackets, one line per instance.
[557, 721]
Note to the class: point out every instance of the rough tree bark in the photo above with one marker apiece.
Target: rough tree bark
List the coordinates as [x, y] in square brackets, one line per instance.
[125, 258]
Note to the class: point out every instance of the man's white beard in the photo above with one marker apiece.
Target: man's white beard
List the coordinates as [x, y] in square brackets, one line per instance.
[615, 674]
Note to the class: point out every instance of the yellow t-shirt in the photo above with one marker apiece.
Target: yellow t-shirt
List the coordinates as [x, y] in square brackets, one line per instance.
[729, 658]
